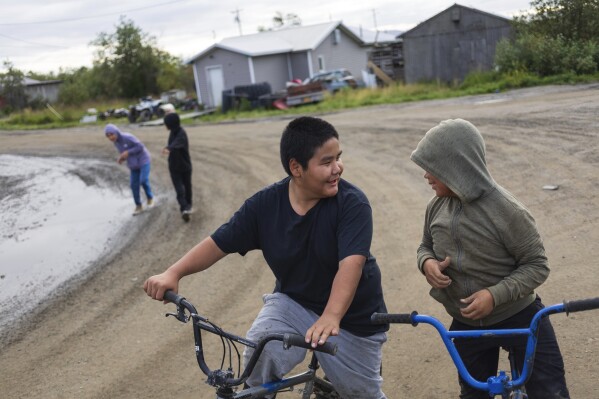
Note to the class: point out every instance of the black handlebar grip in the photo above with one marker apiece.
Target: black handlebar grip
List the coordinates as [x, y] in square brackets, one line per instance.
[582, 304]
[300, 341]
[387, 318]
[171, 296]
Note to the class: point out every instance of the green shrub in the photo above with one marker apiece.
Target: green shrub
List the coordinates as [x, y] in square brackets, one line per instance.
[547, 56]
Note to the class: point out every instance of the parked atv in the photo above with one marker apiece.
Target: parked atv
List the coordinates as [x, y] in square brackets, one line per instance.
[145, 110]
[114, 113]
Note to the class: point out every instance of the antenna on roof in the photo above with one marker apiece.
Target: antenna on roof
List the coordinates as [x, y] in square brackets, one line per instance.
[237, 19]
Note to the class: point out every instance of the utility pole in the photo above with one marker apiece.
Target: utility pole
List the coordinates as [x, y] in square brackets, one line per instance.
[374, 18]
[237, 19]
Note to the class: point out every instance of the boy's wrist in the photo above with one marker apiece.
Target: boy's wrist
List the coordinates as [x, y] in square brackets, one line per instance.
[422, 264]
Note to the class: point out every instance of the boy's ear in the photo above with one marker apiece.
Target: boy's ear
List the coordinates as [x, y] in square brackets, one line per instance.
[295, 168]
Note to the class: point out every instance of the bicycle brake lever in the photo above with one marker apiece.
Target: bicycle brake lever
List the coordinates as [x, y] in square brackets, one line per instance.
[180, 315]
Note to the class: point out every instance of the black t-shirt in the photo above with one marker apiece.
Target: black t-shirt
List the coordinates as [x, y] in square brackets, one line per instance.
[304, 251]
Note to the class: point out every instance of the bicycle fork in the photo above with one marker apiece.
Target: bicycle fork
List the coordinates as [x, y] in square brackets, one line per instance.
[309, 387]
[498, 384]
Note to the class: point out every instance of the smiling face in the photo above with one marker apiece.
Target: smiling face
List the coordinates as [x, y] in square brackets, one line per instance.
[441, 190]
[321, 178]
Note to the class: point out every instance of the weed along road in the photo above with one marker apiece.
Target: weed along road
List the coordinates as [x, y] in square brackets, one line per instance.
[102, 337]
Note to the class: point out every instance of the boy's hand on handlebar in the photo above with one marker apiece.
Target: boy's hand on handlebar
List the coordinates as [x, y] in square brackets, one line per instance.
[433, 270]
[157, 285]
[480, 304]
[320, 331]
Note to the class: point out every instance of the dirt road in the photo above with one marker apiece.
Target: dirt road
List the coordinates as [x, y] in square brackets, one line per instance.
[103, 338]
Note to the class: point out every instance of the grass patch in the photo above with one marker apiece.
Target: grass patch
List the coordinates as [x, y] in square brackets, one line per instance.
[475, 83]
[59, 116]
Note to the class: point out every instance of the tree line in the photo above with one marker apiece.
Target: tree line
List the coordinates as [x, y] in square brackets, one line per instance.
[557, 37]
[126, 64]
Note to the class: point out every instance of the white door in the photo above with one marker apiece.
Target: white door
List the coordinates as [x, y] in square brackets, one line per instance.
[216, 84]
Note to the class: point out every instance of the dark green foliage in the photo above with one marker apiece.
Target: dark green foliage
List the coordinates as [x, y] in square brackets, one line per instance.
[574, 20]
[12, 89]
[559, 37]
[127, 64]
[130, 64]
[547, 56]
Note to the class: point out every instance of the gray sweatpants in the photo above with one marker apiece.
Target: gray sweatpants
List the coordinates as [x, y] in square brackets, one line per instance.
[354, 371]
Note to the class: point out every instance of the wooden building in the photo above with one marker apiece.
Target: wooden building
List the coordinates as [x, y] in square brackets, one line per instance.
[449, 45]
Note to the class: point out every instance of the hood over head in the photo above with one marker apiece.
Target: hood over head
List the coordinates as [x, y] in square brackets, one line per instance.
[112, 129]
[172, 121]
[454, 152]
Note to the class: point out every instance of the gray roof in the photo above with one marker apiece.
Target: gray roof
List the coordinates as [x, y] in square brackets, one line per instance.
[370, 36]
[291, 39]
[408, 32]
[34, 82]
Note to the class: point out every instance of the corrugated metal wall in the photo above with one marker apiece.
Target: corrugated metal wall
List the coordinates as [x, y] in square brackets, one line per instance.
[47, 92]
[450, 45]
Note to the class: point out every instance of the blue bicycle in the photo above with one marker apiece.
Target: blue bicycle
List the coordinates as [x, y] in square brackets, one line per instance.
[225, 381]
[508, 385]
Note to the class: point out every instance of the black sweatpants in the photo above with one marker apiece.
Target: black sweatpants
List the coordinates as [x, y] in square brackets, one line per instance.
[182, 183]
[481, 356]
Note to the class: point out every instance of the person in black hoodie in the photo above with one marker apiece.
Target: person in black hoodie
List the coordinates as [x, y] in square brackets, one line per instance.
[179, 163]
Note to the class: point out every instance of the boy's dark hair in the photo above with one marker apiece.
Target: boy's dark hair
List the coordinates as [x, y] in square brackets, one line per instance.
[302, 137]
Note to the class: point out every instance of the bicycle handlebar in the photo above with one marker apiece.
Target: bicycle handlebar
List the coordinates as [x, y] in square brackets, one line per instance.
[580, 305]
[300, 341]
[173, 297]
[179, 300]
[218, 377]
[495, 385]
[387, 318]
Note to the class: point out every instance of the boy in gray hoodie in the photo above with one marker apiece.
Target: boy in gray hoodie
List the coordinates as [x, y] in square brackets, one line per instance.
[483, 256]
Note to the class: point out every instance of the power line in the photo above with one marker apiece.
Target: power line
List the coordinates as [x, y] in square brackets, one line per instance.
[55, 21]
[33, 43]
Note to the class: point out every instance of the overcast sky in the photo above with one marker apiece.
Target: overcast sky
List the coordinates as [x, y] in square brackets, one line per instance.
[45, 35]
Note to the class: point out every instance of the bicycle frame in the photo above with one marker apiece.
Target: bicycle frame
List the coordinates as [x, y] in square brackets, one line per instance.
[278, 386]
[500, 384]
[224, 380]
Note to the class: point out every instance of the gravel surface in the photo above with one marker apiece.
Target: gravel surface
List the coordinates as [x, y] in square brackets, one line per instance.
[101, 337]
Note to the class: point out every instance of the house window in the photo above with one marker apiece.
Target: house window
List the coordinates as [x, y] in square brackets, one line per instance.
[321, 63]
[336, 36]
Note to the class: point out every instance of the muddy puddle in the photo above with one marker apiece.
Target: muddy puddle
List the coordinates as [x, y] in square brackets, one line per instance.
[58, 216]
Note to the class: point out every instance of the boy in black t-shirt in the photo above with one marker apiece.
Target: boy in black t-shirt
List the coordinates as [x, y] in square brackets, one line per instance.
[315, 231]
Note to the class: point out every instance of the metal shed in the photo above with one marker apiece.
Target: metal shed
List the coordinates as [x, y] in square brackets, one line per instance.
[276, 57]
[451, 44]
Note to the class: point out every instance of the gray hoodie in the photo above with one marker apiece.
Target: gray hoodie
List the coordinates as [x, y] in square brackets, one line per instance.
[489, 235]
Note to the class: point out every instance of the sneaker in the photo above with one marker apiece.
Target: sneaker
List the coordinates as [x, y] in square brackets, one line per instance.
[150, 202]
[138, 210]
[186, 215]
